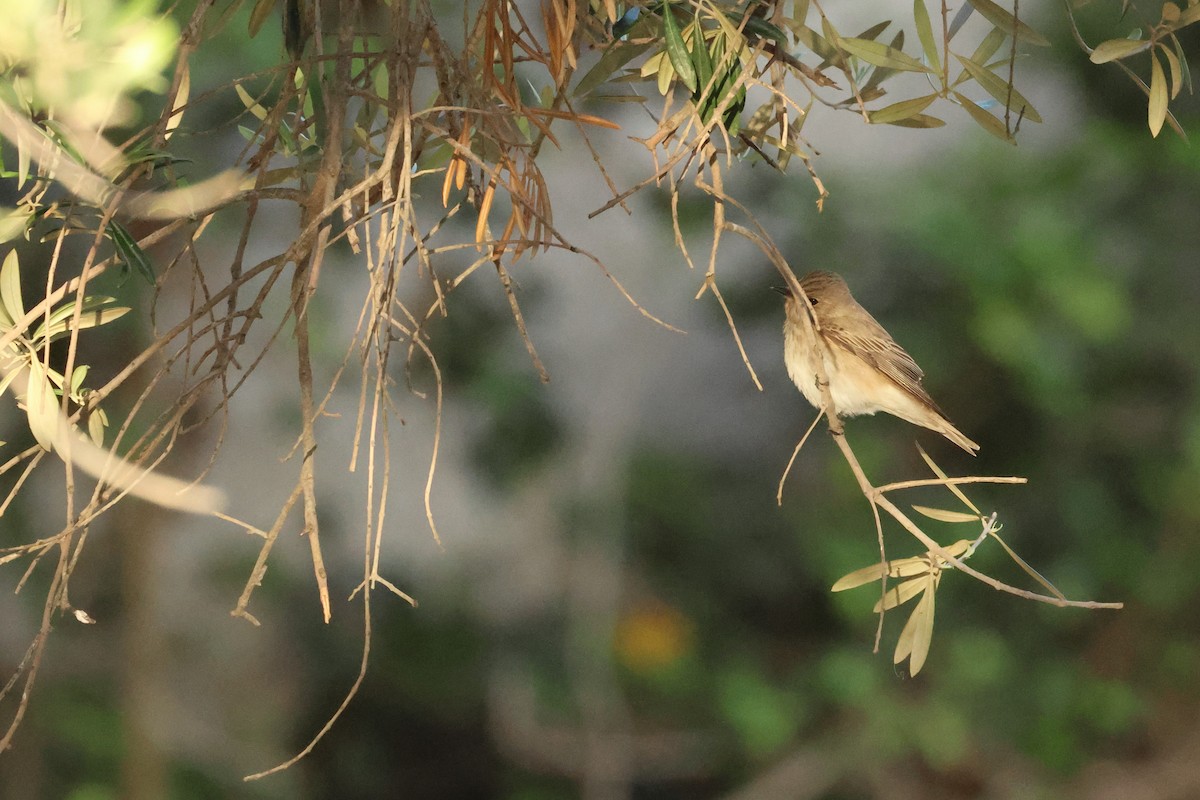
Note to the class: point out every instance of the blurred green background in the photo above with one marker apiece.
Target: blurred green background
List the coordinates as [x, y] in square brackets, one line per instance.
[621, 610]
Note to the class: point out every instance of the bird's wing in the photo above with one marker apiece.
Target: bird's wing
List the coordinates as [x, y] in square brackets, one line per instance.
[880, 350]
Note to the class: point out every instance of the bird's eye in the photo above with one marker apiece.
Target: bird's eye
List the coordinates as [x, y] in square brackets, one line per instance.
[813, 301]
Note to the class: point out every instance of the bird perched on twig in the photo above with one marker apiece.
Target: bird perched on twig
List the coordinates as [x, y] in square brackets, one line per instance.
[867, 370]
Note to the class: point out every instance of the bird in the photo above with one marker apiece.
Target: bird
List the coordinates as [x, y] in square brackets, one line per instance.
[867, 370]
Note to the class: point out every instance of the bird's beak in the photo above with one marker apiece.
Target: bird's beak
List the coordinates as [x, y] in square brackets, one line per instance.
[783, 290]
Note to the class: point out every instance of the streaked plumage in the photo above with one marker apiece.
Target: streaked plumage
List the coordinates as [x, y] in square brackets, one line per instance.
[868, 371]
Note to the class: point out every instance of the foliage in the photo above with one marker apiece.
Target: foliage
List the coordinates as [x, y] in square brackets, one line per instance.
[421, 158]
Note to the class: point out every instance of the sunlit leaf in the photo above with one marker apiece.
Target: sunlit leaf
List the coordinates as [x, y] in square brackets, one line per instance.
[10, 288]
[942, 515]
[97, 423]
[900, 594]
[917, 634]
[41, 405]
[96, 311]
[1116, 48]
[249, 102]
[1000, 89]
[1157, 107]
[1005, 21]
[881, 55]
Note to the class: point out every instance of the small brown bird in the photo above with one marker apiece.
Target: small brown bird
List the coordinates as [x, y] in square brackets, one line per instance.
[867, 370]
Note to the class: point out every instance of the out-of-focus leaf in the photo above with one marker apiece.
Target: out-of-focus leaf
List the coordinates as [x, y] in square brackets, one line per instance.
[999, 88]
[14, 222]
[1157, 107]
[941, 515]
[677, 50]
[1006, 22]
[10, 288]
[181, 99]
[1114, 49]
[925, 34]
[985, 120]
[616, 56]
[262, 10]
[901, 110]
[130, 252]
[96, 311]
[881, 55]
[249, 102]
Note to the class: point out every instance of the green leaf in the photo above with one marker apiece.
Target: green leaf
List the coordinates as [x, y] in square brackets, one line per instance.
[988, 47]
[616, 56]
[677, 50]
[984, 119]
[925, 34]
[1157, 108]
[881, 55]
[701, 60]
[999, 88]
[130, 252]
[902, 110]
[96, 311]
[1006, 22]
[919, 121]
[1114, 49]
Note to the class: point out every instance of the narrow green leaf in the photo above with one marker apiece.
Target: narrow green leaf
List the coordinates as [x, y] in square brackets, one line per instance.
[901, 110]
[130, 252]
[701, 60]
[919, 121]
[677, 50]
[998, 88]
[1005, 21]
[925, 34]
[881, 55]
[988, 47]
[1114, 49]
[616, 56]
[984, 119]
[1156, 109]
